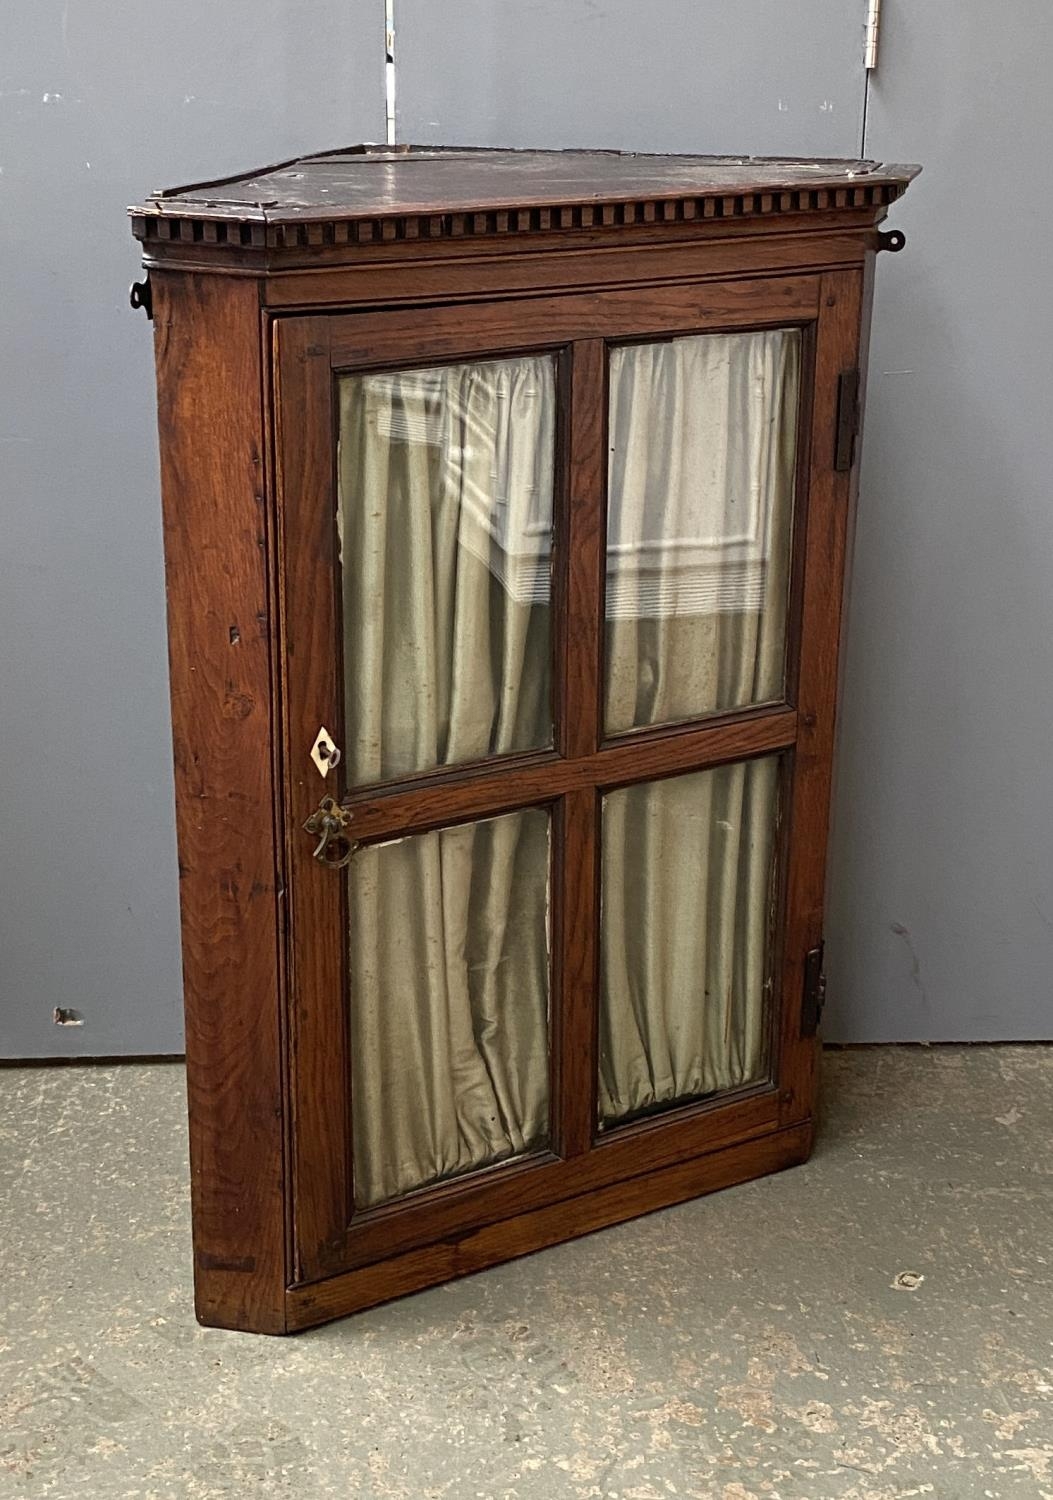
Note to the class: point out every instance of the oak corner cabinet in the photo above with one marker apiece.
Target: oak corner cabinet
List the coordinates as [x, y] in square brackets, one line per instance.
[506, 504]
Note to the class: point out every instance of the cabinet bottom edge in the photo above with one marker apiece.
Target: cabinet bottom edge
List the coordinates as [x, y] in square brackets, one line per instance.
[478, 1249]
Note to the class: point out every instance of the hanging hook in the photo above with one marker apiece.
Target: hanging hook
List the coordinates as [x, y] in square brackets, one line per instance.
[890, 239]
[140, 294]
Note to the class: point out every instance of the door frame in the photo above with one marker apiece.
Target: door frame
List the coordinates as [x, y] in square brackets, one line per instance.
[308, 351]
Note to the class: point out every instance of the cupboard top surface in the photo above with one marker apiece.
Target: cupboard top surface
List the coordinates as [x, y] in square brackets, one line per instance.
[578, 188]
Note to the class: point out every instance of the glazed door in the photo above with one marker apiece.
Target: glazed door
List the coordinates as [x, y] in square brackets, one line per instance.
[561, 586]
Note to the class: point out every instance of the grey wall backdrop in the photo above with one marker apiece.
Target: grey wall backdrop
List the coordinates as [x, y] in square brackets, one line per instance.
[761, 76]
[99, 102]
[941, 918]
[941, 915]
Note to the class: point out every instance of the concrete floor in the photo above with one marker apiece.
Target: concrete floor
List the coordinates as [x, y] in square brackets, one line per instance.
[875, 1324]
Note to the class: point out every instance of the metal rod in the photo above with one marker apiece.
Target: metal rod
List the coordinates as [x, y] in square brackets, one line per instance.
[873, 28]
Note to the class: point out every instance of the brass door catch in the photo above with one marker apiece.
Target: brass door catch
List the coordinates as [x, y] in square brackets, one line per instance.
[329, 824]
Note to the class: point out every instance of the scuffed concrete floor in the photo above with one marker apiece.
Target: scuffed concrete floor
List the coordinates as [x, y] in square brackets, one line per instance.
[753, 1344]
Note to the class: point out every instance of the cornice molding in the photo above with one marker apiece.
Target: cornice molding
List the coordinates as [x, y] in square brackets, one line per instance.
[169, 220]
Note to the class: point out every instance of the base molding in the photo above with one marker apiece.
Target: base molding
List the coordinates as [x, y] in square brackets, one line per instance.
[353, 1291]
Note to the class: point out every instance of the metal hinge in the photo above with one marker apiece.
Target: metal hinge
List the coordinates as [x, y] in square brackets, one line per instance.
[872, 33]
[847, 420]
[814, 997]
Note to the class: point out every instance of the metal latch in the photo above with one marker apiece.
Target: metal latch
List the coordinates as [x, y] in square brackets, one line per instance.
[814, 997]
[329, 824]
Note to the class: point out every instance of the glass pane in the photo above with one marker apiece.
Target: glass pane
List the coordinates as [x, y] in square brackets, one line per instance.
[449, 964]
[445, 527]
[700, 507]
[688, 869]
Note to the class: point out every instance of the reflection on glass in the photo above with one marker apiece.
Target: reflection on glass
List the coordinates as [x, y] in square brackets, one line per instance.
[448, 957]
[700, 504]
[688, 877]
[445, 524]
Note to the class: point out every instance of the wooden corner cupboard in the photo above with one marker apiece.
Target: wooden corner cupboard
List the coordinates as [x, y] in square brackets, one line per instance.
[506, 504]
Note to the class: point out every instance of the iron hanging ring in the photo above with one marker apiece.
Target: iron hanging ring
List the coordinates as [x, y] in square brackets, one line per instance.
[330, 841]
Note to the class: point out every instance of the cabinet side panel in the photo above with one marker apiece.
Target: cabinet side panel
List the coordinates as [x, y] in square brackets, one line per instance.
[207, 342]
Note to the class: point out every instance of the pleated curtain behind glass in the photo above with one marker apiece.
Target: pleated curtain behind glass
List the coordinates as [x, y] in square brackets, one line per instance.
[446, 522]
[701, 485]
[446, 488]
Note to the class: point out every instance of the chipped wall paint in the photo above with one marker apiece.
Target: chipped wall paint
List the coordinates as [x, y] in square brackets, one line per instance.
[944, 824]
[99, 103]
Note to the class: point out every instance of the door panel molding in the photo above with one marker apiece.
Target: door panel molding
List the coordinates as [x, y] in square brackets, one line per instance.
[309, 351]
